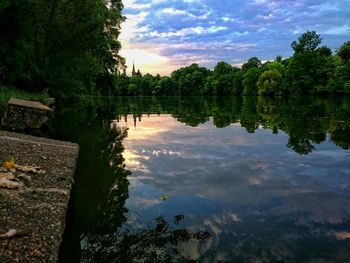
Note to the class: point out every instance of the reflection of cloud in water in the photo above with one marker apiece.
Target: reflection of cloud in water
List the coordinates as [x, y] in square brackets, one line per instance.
[165, 152]
[216, 229]
[320, 207]
[194, 249]
[133, 161]
[232, 167]
[215, 222]
[145, 202]
[234, 217]
[342, 235]
[149, 130]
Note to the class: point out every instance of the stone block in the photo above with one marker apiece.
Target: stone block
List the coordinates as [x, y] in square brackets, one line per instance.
[25, 114]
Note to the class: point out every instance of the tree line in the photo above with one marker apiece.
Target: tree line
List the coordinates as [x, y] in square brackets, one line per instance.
[312, 69]
[71, 48]
[63, 47]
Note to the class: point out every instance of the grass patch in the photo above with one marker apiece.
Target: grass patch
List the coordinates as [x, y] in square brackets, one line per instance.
[8, 92]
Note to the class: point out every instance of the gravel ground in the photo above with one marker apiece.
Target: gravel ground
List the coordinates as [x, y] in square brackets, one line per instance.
[36, 212]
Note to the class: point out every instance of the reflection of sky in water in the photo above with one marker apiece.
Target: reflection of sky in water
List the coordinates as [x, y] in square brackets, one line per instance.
[247, 189]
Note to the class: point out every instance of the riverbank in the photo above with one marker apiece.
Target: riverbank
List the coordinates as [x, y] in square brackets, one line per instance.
[33, 211]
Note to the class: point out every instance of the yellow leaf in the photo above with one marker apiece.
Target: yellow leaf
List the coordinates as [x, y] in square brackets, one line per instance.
[164, 197]
[10, 163]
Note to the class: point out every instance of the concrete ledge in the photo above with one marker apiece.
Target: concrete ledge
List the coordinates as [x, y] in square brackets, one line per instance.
[29, 104]
[37, 210]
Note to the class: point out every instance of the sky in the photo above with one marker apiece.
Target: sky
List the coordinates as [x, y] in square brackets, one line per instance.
[163, 35]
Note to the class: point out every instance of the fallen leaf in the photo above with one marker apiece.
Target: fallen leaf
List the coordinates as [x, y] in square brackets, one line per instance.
[13, 233]
[37, 253]
[8, 184]
[8, 176]
[164, 197]
[9, 164]
[29, 169]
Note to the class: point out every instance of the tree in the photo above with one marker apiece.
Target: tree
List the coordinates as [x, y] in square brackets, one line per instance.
[344, 52]
[165, 86]
[148, 83]
[310, 68]
[277, 66]
[279, 58]
[307, 42]
[340, 81]
[190, 80]
[324, 68]
[237, 79]
[222, 68]
[120, 84]
[209, 86]
[220, 83]
[269, 82]
[135, 87]
[63, 46]
[249, 82]
[253, 62]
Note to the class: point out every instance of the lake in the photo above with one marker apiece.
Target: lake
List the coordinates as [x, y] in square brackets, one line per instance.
[196, 179]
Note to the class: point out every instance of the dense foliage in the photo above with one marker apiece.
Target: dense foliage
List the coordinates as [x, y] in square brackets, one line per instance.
[312, 69]
[70, 48]
[64, 47]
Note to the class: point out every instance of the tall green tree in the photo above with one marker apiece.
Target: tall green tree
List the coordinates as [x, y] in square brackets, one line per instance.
[253, 62]
[340, 81]
[344, 52]
[307, 42]
[165, 86]
[237, 82]
[190, 80]
[269, 82]
[220, 82]
[309, 67]
[63, 46]
[250, 79]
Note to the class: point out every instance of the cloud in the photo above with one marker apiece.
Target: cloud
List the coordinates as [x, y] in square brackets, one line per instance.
[133, 5]
[265, 28]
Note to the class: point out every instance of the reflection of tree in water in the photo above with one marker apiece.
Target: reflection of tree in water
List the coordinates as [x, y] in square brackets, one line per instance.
[104, 242]
[249, 116]
[114, 186]
[192, 111]
[340, 124]
[306, 124]
[97, 207]
[101, 189]
[269, 110]
[306, 120]
[341, 135]
[223, 118]
[300, 145]
[159, 244]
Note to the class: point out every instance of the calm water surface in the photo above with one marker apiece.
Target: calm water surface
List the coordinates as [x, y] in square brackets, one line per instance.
[209, 180]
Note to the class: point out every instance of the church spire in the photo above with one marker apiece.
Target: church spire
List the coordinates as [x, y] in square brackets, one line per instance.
[133, 69]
